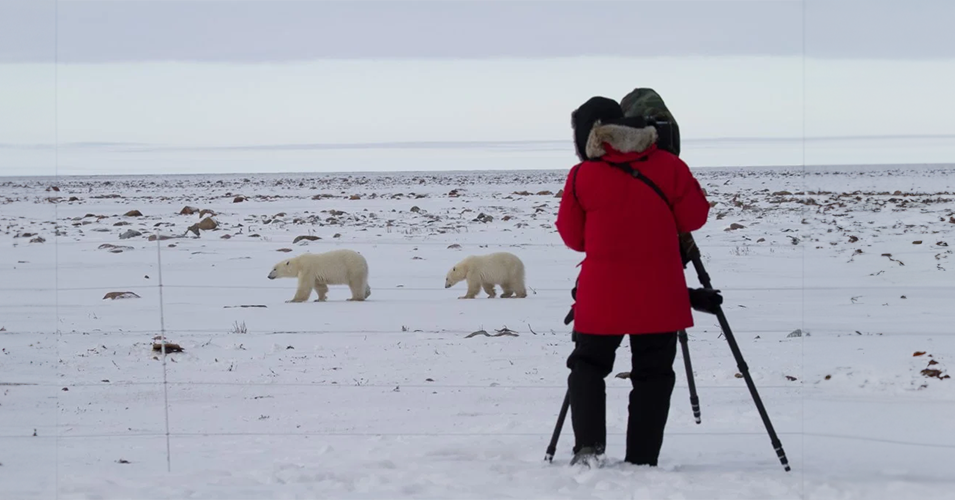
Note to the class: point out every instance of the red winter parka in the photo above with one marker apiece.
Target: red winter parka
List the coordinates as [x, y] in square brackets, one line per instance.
[632, 279]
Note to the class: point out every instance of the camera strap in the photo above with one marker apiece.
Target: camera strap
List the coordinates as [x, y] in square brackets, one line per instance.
[636, 174]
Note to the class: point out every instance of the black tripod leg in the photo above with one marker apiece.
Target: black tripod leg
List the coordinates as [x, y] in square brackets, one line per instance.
[694, 399]
[552, 447]
[743, 368]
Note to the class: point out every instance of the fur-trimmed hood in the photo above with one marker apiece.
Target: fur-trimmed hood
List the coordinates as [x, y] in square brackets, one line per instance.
[622, 138]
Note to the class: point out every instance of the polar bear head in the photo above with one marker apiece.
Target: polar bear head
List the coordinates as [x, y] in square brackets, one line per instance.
[288, 268]
[455, 275]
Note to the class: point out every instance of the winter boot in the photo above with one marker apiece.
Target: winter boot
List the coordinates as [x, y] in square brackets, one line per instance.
[588, 457]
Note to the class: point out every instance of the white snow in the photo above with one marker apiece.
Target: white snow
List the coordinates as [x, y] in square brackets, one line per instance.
[389, 399]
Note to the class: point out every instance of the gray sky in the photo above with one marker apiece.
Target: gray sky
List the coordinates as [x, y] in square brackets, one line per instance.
[281, 31]
[147, 86]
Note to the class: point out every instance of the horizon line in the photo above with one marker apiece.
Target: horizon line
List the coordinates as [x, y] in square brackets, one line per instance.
[7, 178]
[140, 147]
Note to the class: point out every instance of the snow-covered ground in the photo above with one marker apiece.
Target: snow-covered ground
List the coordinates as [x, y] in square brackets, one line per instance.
[391, 398]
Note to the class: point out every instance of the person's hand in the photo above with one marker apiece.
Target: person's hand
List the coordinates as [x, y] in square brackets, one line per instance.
[705, 300]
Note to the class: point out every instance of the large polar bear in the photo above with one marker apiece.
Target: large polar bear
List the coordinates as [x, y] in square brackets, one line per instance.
[485, 271]
[318, 270]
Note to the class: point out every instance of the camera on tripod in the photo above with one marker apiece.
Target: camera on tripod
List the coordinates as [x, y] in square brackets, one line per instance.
[668, 135]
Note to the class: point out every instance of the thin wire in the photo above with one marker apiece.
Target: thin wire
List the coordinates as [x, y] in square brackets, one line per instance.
[802, 343]
[541, 332]
[162, 336]
[324, 385]
[56, 231]
[480, 434]
[725, 289]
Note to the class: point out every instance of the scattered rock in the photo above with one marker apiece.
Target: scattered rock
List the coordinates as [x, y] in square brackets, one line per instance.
[286, 250]
[246, 306]
[226, 236]
[521, 193]
[354, 197]
[499, 333]
[38, 239]
[238, 199]
[122, 461]
[827, 377]
[544, 193]
[917, 242]
[796, 334]
[790, 378]
[53, 188]
[130, 233]
[454, 193]
[170, 347]
[205, 211]
[153, 237]
[415, 209]
[738, 375]
[760, 240]
[308, 237]
[208, 224]
[483, 218]
[337, 235]
[133, 213]
[942, 244]
[734, 226]
[853, 239]
[918, 353]
[74, 198]
[934, 373]
[782, 193]
[120, 295]
[114, 248]
[559, 194]
[454, 246]
[623, 375]
[187, 210]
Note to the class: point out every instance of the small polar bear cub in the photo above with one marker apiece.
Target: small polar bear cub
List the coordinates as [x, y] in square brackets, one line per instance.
[318, 270]
[485, 271]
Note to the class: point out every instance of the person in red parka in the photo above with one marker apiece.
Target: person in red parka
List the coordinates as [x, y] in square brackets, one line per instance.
[632, 277]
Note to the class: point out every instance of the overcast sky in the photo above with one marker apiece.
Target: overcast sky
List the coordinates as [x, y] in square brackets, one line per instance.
[149, 86]
[276, 30]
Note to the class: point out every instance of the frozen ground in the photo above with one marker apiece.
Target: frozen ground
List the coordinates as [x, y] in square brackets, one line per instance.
[390, 398]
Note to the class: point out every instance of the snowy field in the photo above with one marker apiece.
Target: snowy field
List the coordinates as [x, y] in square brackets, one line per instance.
[391, 398]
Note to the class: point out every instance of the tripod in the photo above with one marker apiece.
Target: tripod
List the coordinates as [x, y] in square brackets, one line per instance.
[692, 253]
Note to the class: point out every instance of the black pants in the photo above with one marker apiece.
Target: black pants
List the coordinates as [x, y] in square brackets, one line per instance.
[652, 378]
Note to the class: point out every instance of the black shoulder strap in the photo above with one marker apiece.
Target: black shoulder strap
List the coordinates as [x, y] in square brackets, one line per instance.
[636, 174]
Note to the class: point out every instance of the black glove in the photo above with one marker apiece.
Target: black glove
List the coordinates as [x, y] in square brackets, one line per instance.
[705, 300]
